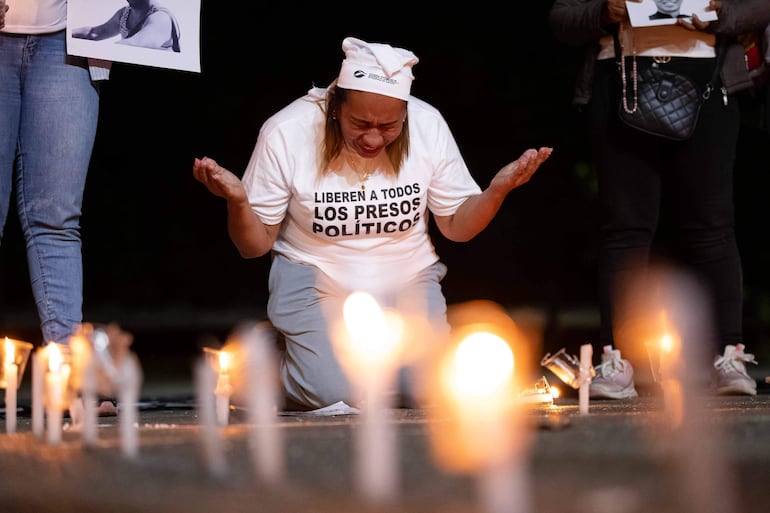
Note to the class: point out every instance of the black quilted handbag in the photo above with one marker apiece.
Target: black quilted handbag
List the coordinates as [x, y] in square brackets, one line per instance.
[666, 104]
[661, 103]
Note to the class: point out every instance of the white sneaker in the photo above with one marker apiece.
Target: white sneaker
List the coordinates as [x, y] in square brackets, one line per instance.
[614, 377]
[730, 374]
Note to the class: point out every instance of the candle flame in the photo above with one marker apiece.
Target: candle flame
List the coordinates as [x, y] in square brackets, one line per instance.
[667, 343]
[363, 316]
[482, 364]
[54, 357]
[225, 360]
[375, 334]
[10, 349]
[555, 392]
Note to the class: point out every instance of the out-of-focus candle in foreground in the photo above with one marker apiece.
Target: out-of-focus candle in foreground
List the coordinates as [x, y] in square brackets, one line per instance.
[475, 382]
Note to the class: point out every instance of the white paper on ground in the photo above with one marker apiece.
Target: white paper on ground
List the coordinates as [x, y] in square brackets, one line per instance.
[338, 408]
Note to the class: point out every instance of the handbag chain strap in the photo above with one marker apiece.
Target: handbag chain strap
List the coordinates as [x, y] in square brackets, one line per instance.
[628, 109]
[622, 58]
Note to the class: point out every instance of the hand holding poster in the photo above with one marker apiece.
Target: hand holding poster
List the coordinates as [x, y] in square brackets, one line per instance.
[161, 33]
[667, 12]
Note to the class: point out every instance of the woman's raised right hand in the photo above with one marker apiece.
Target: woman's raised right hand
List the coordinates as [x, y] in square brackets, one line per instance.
[219, 180]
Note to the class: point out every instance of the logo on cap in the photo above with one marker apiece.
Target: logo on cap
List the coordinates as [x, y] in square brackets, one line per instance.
[359, 73]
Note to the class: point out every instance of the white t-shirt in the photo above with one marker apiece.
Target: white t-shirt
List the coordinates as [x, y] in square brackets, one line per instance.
[35, 16]
[360, 237]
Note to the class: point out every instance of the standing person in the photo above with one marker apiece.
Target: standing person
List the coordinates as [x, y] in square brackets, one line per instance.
[339, 188]
[49, 106]
[636, 170]
[141, 23]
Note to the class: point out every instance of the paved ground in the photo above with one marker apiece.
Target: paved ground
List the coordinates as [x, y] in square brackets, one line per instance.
[621, 457]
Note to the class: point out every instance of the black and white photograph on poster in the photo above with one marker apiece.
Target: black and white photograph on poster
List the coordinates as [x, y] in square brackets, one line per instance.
[160, 33]
[666, 12]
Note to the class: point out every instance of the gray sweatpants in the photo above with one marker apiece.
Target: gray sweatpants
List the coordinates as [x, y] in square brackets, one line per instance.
[303, 300]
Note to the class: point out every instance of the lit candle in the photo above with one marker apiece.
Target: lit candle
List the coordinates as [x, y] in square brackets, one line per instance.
[666, 353]
[38, 425]
[670, 382]
[55, 388]
[11, 383]
[223, 388]
[368, 348]
[213, 451]
[586, 356]
[475, 382]
[481, 373]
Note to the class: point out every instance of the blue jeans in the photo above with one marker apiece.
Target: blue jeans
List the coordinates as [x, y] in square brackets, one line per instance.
[48, 114]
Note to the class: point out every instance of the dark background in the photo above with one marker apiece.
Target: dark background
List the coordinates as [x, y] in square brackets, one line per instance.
[157, 257]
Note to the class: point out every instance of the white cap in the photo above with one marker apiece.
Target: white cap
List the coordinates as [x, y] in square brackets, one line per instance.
[376, 68]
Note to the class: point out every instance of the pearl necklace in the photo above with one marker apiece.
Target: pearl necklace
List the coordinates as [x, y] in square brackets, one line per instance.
[628, 109]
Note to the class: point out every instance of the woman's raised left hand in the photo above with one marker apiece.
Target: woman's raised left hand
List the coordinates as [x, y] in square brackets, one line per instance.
[520, 170]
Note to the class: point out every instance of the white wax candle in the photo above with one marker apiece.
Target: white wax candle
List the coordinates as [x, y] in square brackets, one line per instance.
[373, 340]
[504, 486]
[10, 371]
[37, 396]
[56, 382]
[223, 388]
[11, 377]
[90, 415]
[130, 383]
[586, 355]
[222, 398]
[266, 439]
[376, 450]
[89, 395]
[213, 452]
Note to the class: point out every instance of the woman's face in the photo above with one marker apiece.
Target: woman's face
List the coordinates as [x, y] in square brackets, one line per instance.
[370, 121]
[669, 6]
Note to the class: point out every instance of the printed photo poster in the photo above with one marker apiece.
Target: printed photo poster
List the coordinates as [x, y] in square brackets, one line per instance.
[665, 12]
[159, 33]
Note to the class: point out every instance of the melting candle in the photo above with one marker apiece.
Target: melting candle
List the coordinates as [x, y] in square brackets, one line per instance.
[586, 356]
[130, 374]
[223, 388]
[213, 449]
[56, 386]
[371, 344]
[37, 394]
[11, 383]
[482, 370]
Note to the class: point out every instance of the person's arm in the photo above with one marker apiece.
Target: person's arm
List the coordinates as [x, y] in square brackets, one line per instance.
[736, 17]
[583, 21]
[250, 235]
[108, 29]
[478, 211]
[3, 10]
[155, 31]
